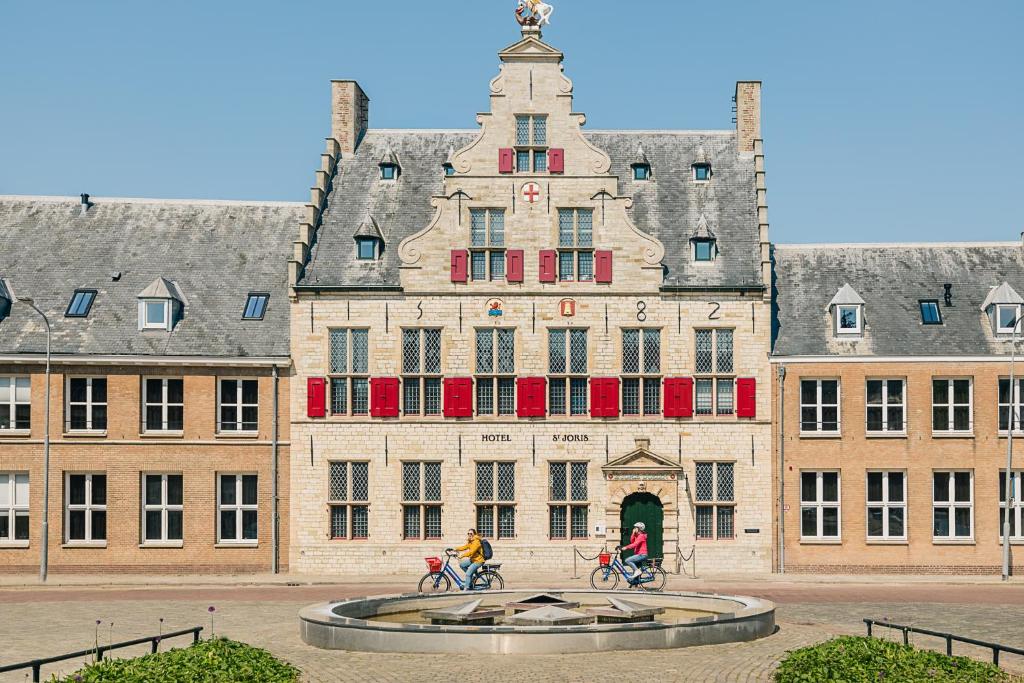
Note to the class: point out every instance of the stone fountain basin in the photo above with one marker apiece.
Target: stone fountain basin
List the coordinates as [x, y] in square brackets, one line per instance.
[351, 624]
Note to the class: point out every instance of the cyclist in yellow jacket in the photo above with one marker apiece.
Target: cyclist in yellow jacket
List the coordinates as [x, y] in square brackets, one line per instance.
[472, 557]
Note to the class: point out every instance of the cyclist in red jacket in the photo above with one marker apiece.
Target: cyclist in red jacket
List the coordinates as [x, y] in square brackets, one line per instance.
[637, 542]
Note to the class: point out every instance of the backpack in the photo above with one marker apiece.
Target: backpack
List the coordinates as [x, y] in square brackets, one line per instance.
[485, 547]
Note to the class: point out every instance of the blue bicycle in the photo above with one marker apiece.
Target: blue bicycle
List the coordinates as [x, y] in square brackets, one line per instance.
[439, 578]
[606, 577]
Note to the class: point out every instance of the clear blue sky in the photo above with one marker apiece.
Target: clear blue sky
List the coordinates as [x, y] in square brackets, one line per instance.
[883, 120]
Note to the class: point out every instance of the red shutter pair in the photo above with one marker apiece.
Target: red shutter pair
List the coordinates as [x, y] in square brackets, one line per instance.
[384, 397]
[458, 397]
[678, 397]
[507, 157]
[513, 265]
[604, 397]
[531, 396]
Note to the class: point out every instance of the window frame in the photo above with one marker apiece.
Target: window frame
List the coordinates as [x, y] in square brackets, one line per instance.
[938, 311]
[886, 505]
[715, 503]
[493, 250]
[645, 379]
[820, 406]
[696, 172]
[884, 407]
[349, 502]
[1000, 329]
[90, 293]
[951, 506]
[566, 379]
[1016, 401]
[348, 376]
[165, 404]
[858, 316]
[721, 379]
[262, 301]
[819, 504]
[496, 377]
[952, 405]
[239, 507]
[88, 508]
[1016, 505]
[12, 405]
[15, 510]
[571, 503]
[422, 379]
[641, 172]
[422, 504]
[496, 503]
[239, 405]
[165, 324]
[389, 172]
[577, 250]
[89, 403]
[164, 507]
[532, 148]
[712, 250]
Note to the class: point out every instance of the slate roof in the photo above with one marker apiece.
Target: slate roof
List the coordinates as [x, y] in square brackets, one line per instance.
[668, 207]
[217, 252]
[892, 279]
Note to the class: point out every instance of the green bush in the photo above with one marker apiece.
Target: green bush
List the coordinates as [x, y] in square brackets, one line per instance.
[210, 661]
[854, 659]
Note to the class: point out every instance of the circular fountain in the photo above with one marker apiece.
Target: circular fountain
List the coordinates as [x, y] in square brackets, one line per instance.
[528, 622]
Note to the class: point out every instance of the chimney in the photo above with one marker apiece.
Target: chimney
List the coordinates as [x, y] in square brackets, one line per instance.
[85, 203]
[748, 114]
[350, 114]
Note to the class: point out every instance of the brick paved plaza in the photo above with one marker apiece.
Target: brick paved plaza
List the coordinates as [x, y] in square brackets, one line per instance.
[44, 621]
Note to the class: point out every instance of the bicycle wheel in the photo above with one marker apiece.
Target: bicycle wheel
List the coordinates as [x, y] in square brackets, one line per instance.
[489, 580]
[657, 582]
[435, 582]
[604, 578]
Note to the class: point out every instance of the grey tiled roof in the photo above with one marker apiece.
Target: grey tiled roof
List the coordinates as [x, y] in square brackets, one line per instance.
[668, 207]
[892, 280]
[216, 252]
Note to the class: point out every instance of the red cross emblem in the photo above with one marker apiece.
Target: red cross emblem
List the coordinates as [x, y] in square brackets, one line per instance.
[531, 193]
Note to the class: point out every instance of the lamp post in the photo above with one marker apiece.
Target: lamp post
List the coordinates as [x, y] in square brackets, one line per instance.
[43, 556]
[1009, 452]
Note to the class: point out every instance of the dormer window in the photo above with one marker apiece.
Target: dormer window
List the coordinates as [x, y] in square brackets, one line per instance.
[388, 171]
[155, 315]
[704, 250]
[449, 170]
[80, 304]
[703, 241]
[702, 172]
[369, 240]
[1007, 317]
[255, 306]
[366, 248]
[847, 308]
[849, 319]
[1003, 307]
[6, 299]
[161, 305]
[641, 172]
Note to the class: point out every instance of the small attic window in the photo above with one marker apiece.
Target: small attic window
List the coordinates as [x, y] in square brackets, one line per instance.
[81, 303]
[6, 299]
[702, 172]
[641, 171]
[388, 171]
[848, 321]
[449, 169]
[155, 314]
[1007, 316]
[255, 306]
[366, 248]
[930, 313]
[704, 250]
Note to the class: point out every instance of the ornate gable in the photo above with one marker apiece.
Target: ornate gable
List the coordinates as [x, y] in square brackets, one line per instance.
[641, 461]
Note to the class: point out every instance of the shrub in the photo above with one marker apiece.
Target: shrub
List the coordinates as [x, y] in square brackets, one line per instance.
[855, 659]
[209, 661]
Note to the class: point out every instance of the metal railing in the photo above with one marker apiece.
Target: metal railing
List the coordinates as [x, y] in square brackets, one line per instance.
[949, 638]
[154, 641]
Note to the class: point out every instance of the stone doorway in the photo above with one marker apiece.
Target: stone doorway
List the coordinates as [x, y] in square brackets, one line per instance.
[646, 508]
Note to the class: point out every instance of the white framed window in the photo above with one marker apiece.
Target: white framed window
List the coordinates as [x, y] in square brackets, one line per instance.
[421, 500]
[14, 509]
[952, 405]
[1005, 402]
[568, 501]
[487, 244]
[820, 508]
[567, 372]
[714, 372]
[641, 370]
[162, 509]
[495, 499]
[701, 172]
[887, 505]
[349, 371]
[163, 404]
[239, 405]
[848, 319]
[85, 508]
[819, 406]
[348, 498]
[87, 404]
[1016, 504]
[495, 371]
[155, 314]
[715, 512]
[886, 406]
[1007, 316]
[237, 509]
[953, 505]
[421, 371]
[15, 403]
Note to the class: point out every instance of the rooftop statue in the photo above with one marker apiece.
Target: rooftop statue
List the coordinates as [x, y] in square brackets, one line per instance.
[533, 13]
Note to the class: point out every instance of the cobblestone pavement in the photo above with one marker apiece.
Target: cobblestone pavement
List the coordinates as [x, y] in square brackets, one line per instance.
[39, 622]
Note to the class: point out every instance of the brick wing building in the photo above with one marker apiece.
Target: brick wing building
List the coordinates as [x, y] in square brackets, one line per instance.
[170, 352]
[892, 405]
[540, 332]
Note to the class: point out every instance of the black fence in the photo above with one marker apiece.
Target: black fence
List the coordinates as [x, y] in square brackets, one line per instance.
[154, 642]
[949, 638]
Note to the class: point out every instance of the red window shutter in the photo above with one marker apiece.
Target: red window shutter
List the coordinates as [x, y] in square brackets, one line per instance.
[603, 266]
[746, 397]
[556, 161]
[384, 397]
[506, 159]
[604, 397]
[316, 397]
[458, 397]
[548, 265]
[678, 397]
[531, 396]
[514, 265]
[460, 265]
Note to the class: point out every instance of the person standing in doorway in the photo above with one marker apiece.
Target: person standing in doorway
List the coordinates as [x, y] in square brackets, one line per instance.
[638, 544]
[472, 557]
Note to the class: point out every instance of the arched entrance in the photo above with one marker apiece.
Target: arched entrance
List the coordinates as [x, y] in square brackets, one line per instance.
[646, 508]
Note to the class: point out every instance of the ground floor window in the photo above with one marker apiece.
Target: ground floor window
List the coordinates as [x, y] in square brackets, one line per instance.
[819, 506]
[568, 503]
[85, 510]
[162, 508]
[715, 512]
[953, 505]
[14, 512]
[348, 494]
[421, 498]
[887, 505]
[495, 497]
[1016, 505]
[237, 508]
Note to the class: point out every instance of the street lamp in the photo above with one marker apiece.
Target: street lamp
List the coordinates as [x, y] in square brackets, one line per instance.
[28, 301]
[1009, 452]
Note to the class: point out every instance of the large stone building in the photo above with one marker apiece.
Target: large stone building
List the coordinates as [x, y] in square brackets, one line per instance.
[169, 356]
[892, 399]
[540, 332]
